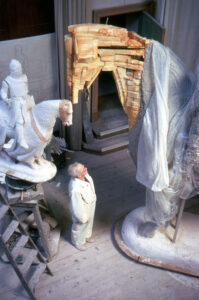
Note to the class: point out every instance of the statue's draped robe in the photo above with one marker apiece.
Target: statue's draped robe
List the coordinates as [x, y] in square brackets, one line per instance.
[161, 137]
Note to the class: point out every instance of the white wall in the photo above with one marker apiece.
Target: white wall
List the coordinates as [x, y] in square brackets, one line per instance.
[38, 57]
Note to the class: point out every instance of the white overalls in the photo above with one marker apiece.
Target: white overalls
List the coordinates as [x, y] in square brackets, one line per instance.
[82, 206]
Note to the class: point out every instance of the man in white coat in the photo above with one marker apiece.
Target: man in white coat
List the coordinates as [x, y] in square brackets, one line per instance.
[82, 205]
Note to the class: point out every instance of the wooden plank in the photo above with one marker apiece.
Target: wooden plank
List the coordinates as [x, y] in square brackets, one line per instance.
[111, 52]
[108, 145]
[3, 210]
[132, 66]
[94, 100]
[93, 76]
[179, 216]
[110, 58]
[111, 42]
[25, 215]
[127, 59]
[120, 86]
[35, 278]
[137, 75]
[99, 29]
[20, 243]
[42, 232]
[28, 261]
[9, 230]
[75, 131]
[133, 94]
[129, 74]
[14, 265]
[79, 65]
[111, 132]
[133, 88]
[88, 133]
[50, 220]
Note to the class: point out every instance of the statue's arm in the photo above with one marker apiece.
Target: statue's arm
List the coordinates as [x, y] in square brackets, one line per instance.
[4, 91]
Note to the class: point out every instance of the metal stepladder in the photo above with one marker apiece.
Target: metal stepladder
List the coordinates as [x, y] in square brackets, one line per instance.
[15, 242]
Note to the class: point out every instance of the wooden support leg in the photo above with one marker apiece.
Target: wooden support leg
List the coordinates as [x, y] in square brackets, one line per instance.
[44, 238]
[88, 133]
[179, 216]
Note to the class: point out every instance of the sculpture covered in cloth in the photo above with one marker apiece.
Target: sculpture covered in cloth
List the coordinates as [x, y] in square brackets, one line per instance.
[164, 142]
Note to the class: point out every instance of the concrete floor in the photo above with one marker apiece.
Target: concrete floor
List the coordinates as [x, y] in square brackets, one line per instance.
[103, 271]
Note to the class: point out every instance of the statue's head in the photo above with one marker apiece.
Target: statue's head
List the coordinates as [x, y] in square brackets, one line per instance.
[15, 68]
[66, 112]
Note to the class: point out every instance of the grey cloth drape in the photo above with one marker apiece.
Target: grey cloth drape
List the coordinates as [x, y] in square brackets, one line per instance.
[67, 12]
[182, 30]
[61, 29]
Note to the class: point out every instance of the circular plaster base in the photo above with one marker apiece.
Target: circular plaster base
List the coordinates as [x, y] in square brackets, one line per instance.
[160, 251]
[37, 174]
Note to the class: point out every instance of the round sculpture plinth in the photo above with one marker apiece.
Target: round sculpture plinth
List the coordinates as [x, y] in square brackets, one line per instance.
[160, 251]
[41, 172]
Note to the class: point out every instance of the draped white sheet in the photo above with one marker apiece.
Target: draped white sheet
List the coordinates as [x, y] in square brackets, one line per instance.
[168, 146]
[152, 147]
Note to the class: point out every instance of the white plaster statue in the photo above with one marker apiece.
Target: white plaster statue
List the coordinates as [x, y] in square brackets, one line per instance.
[82, 205]
[14, 92]
[29, 127]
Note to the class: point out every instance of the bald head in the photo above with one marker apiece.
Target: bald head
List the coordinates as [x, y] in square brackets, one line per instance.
[77, 170]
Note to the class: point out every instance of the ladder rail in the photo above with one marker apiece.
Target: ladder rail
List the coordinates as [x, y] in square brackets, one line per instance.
[16, 268]
[26, 233]
[30, 240]
[14, 248]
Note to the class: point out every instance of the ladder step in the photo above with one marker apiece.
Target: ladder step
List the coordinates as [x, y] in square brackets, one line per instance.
[28, 261]
[36, 275]
[24, 215]
[24, 225]
[3, 210]
[21, 243]
[111, 132]
[109, 144]
[10, 229]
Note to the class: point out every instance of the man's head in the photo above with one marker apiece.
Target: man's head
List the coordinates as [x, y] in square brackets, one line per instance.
[15, 68]
[77, 170]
